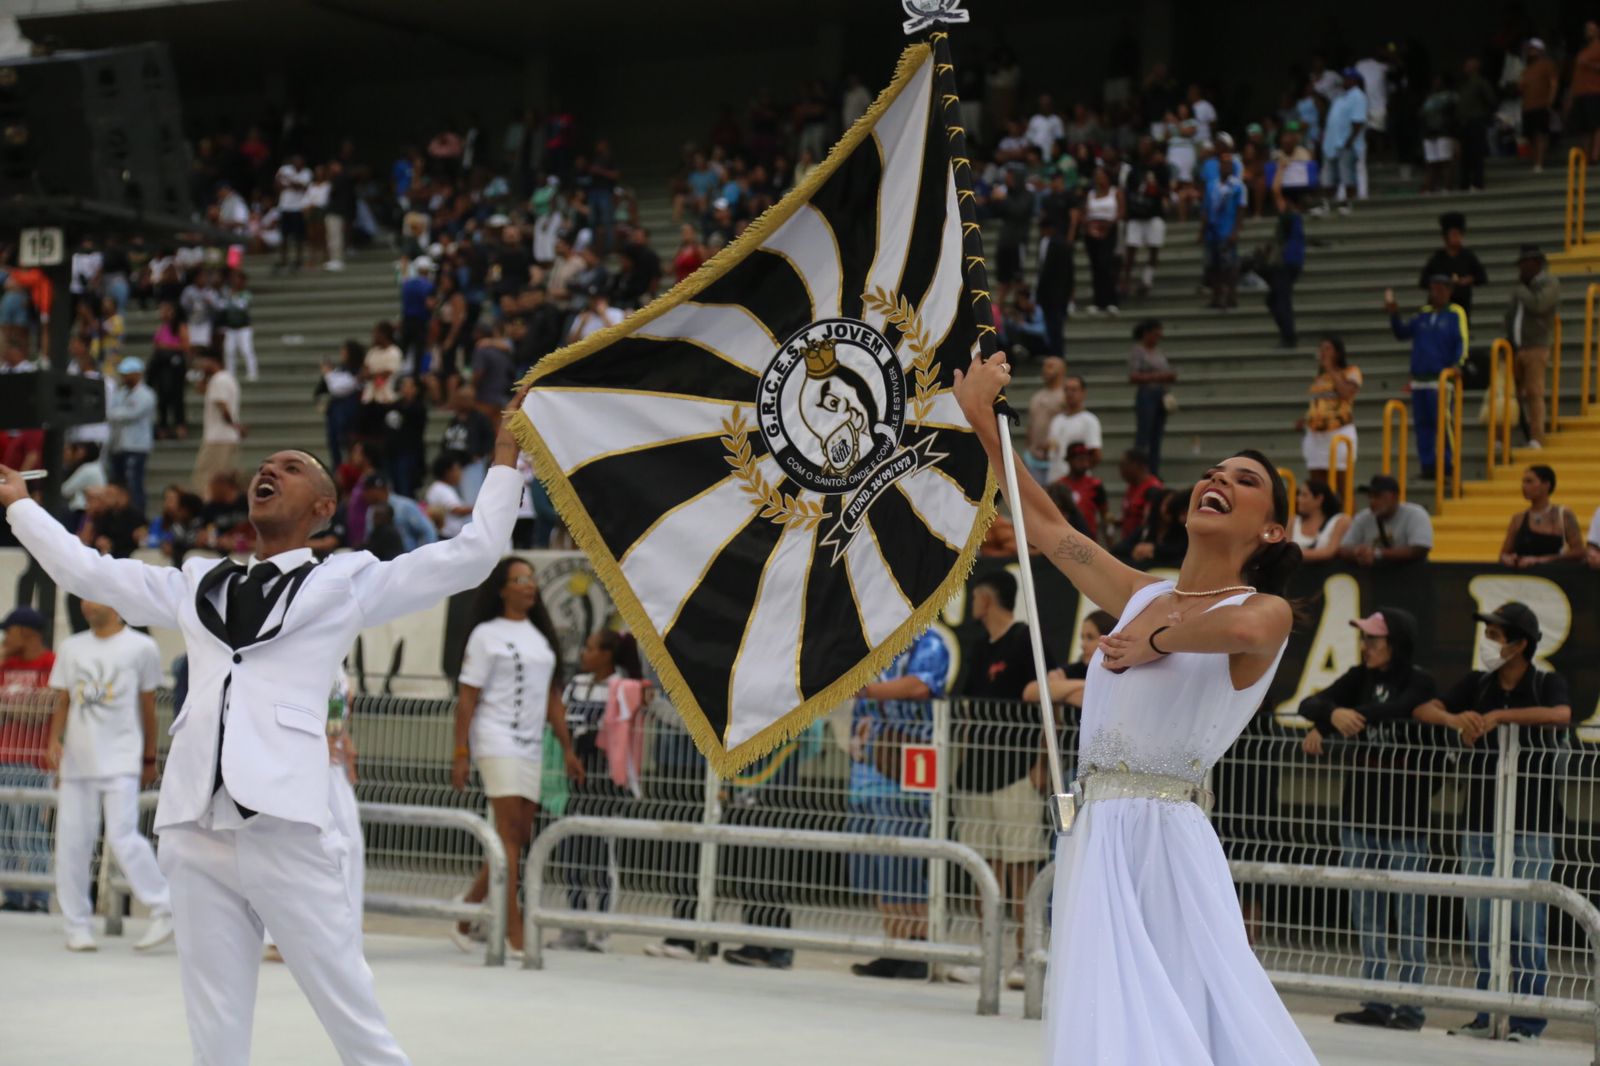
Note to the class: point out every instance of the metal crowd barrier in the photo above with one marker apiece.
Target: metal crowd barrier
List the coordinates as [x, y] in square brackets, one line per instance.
[986, 955]
[492, 911]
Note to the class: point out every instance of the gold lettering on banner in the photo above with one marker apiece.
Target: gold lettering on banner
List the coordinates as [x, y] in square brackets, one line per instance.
[1334, 649]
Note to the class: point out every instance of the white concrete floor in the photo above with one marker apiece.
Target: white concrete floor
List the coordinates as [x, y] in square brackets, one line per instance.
[116, 1008]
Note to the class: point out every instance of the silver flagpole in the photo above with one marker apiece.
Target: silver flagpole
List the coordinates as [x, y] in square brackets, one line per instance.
[1061, 805]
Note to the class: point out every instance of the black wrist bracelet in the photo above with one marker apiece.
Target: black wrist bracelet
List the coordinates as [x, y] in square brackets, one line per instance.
[1152, 639]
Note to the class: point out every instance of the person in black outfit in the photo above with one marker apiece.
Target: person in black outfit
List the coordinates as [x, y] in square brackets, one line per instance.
[1362, 722]
[406, 427]
[1053, 289]
[1455, 261]
[1002, 772]
[1163, 539]
[1510, 691]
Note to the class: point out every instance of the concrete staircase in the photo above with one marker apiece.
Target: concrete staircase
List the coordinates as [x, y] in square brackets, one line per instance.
[1237, 388]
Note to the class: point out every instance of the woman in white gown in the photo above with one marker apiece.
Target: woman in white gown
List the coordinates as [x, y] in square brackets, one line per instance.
[1149, 963]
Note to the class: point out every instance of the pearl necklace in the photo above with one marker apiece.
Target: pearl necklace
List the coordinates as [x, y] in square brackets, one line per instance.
[1176, 616]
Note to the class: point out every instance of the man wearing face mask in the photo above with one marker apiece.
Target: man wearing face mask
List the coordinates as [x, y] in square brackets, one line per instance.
[1362, 722]
[1510, 691]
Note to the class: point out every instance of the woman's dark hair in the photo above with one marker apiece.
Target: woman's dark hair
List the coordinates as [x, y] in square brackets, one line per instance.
[1337, 342]
[1331, 501]
[1272, 565]
[1104, 621]
[1067, 503]
[487, 606]
[443, 462]
[1144, 327]
[354, 354]
[624, 652]
[1544, 474]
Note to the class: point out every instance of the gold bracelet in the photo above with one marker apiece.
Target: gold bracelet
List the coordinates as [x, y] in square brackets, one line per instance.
[462, 751]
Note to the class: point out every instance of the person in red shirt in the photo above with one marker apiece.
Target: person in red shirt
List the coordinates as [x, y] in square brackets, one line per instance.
[1135, 470]
[1088, 491]
[25, 665]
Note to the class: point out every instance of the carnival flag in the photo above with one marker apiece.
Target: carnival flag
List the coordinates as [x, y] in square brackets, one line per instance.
[766, 465]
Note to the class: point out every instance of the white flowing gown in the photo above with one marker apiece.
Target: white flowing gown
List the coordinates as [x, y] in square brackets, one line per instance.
[1149, 964]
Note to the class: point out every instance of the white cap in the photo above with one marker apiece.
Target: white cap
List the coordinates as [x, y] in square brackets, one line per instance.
[422, 265]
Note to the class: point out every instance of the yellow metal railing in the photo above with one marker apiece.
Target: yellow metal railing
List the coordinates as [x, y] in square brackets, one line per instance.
[1554, 414]
[1345, 486]
[1589, 373]
[1402, 453]
[1502, 387]
[1447, 443]
[1577, 186]
[1289, 484]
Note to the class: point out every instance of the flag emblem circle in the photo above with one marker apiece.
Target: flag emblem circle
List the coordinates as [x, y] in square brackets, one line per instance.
[832, 404]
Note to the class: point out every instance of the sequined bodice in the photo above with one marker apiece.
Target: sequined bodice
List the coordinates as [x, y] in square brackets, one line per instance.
[1175, 716]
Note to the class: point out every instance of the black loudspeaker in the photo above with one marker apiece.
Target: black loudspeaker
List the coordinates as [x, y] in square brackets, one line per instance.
[44, 399]
[103, 126]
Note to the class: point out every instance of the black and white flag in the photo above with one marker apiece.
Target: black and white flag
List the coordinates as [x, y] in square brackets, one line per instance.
[766, 465]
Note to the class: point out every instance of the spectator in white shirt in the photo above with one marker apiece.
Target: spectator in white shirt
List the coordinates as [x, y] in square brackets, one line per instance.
[1075, 424]
[85, 283]
[221, 428]
[596, 316]
[1045, 128]
[293, 181]
[342, 384]
[443, 499]
[1205, 116]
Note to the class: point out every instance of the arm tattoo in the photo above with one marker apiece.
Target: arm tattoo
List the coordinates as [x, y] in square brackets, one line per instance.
[1073, 548]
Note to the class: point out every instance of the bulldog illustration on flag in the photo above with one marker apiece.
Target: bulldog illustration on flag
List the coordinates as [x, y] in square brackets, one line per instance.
[765, 465]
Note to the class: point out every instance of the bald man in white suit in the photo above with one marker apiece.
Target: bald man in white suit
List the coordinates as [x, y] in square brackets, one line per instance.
[244, 812]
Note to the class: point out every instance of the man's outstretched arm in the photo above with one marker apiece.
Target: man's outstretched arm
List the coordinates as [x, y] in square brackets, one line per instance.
[144, 595]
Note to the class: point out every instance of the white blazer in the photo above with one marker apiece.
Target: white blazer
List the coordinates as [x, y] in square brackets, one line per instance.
[274, 749]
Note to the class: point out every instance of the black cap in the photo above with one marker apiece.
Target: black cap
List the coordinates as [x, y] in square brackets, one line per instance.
[1453, 220]
[24, 616]
[1380, 483]
[1440, 279]
[1517, 619]
[374, 481]
[1529, 251]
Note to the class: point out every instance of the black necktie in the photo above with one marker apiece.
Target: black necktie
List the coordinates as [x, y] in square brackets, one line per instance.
[248, 605]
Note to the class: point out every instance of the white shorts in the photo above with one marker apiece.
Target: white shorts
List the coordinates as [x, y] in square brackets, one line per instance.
[1147, 232]
[1314, 448]
[1438, 149]
[511, 776]
[1006, 825]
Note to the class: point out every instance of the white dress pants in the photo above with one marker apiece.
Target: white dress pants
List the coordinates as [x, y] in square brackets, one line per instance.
[240, 343]
[227, 883]
[347, 821]
[78, 826]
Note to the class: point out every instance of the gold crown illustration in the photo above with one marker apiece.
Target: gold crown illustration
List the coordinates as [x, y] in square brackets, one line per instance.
[821, 359]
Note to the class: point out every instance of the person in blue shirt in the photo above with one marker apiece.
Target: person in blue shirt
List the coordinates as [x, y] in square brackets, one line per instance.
[1223, 207]
[1288, 260]
[416, 310]
[1344, 142]
[1438, 336]
[415, 528]
[891, 712]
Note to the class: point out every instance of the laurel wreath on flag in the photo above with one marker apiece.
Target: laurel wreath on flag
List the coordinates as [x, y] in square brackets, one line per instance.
[781, 507]
[786, 509]
[925, 371]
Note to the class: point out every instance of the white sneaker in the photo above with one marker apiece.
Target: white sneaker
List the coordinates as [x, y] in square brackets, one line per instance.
[80, 940]
[1344, 209]
[1016, 977]
[1535, 445]
[1113, 310]
[665, 949]
[598, 943]
[333, 264]
[159, 933]
[1319, 211]
[961, 975]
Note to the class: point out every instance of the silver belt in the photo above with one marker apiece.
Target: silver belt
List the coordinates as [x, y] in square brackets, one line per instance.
[1127, 784]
